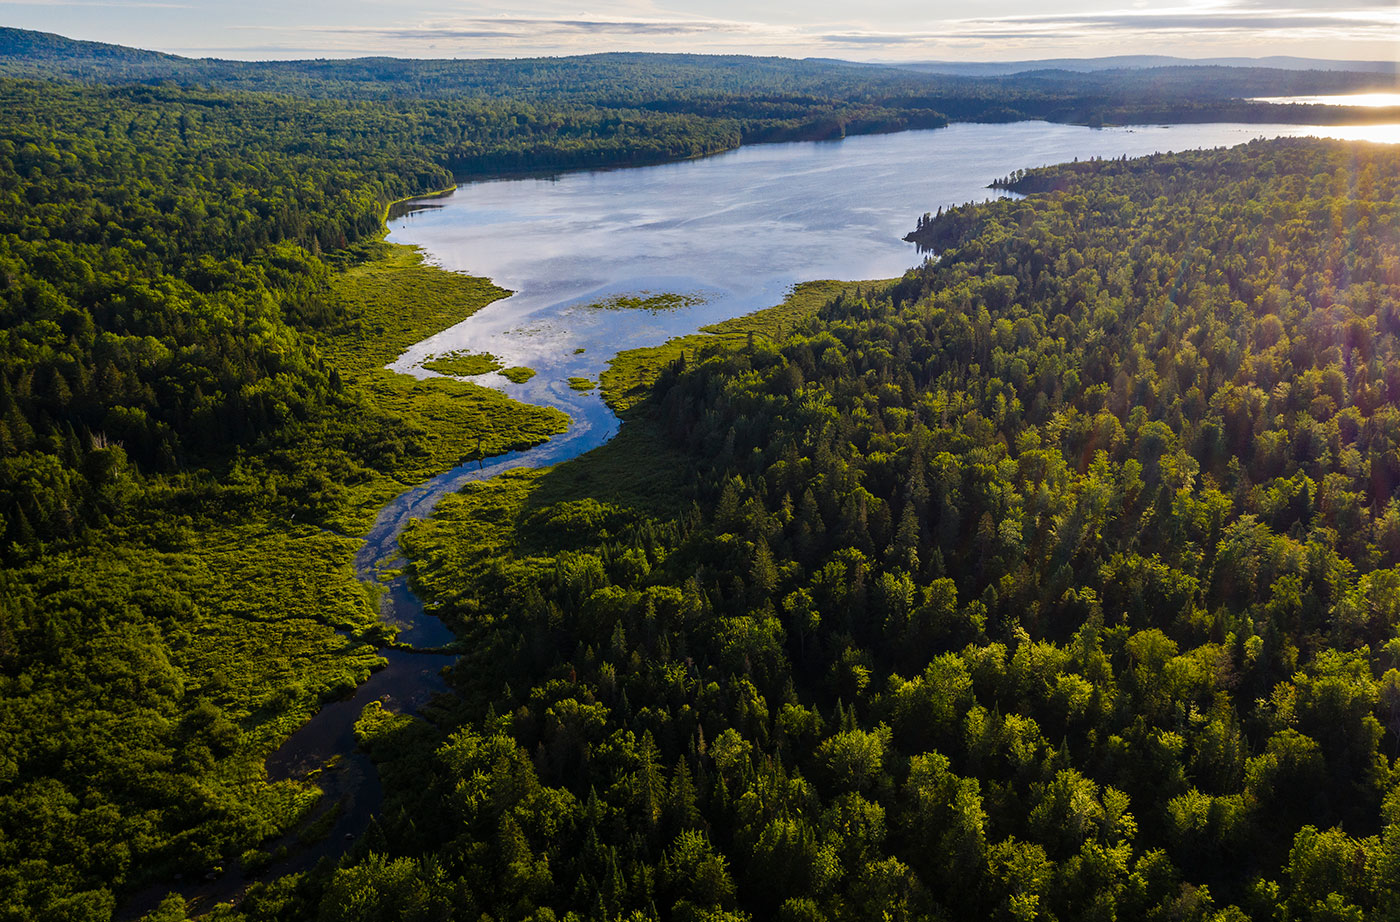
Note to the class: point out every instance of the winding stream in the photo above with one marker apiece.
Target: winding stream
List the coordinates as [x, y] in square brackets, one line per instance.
[734, 232]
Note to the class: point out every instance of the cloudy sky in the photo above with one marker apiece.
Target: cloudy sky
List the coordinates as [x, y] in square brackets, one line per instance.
[865, 30]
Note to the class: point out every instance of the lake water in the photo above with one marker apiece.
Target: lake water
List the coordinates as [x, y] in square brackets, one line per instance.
[1361, 100]
[736, 230]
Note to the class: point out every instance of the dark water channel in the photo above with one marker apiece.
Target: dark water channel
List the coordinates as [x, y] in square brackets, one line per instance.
[733, 233]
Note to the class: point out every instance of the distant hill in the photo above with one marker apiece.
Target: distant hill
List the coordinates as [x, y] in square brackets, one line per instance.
[1141, 61]
[1115, 90]
[49, 54]
[48, 47]
[623, 77]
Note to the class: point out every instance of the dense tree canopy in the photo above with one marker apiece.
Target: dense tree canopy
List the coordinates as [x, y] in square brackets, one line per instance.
[1056, 580]
[810, 96]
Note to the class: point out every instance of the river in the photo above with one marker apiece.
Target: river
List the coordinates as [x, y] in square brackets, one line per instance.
[733, 232]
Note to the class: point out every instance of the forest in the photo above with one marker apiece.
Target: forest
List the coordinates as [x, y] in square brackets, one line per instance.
[194, 428]
[1057, 579]
[755, 99]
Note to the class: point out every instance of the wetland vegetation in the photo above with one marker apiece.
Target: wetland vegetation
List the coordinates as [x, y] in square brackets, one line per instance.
[464, 364]
[194, 423]
[649, 301]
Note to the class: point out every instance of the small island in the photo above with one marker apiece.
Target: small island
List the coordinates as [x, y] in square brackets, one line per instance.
[464, 364]
[647, 301]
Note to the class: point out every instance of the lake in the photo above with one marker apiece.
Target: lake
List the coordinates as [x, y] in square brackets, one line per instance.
[1361, 100]
[734, 231]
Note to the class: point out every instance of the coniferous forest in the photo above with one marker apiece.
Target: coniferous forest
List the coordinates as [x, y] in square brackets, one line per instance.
[1058, 579]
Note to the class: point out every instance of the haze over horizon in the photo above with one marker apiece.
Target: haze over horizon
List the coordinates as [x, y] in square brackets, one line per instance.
[882, 30]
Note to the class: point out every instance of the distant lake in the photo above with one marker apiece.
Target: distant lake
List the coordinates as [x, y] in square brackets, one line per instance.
[732, 232]
[1363, 100]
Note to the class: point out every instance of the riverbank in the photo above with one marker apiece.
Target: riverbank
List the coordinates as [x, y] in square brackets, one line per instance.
[1242, 111]
[307, 622]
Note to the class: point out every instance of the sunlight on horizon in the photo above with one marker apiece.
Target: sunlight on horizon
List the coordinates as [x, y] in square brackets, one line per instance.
[1377, 134]
[1360, 100]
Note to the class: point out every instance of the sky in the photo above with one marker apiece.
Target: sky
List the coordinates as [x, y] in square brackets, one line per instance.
[868, 30]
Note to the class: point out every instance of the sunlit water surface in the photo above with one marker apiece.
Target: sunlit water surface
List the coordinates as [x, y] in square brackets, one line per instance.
[1360, 100]
[736, 230]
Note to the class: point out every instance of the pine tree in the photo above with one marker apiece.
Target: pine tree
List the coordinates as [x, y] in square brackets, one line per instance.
[681, 806]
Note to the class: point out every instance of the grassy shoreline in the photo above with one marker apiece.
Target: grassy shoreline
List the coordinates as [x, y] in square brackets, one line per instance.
[390, 299]
[271, 621]
[627, 380]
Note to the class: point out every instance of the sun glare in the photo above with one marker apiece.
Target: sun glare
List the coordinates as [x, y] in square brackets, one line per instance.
[1378, 134]
[1361, 100]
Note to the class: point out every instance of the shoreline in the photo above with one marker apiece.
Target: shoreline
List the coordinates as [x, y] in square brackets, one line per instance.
[1297, 114]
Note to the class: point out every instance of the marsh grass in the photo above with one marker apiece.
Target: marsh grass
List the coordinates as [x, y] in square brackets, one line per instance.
[390, 299]
[464, 364]
[224, 640]
[223, 622]
[646, 301]
[532, 513]
[629, 376]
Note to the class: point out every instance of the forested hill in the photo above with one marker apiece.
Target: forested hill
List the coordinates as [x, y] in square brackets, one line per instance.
[861, 98]
[617, 78]
[1058, 580]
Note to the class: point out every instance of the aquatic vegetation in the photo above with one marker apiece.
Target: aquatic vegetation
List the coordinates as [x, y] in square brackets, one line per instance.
[630, 375]
[464, 364]
[647, 301]
[385, 298]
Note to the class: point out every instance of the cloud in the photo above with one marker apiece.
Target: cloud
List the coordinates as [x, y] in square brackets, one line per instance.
[418, 35]
[1229, 20]
[110, 4]
[638, 27]
[523, 29]
[1306, 5]
[860, 38]
[406, 27]
[922, 38]
[1198, 22]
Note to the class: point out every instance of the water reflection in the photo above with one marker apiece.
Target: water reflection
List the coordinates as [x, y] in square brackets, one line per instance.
[1359, 100]
[740, 228]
